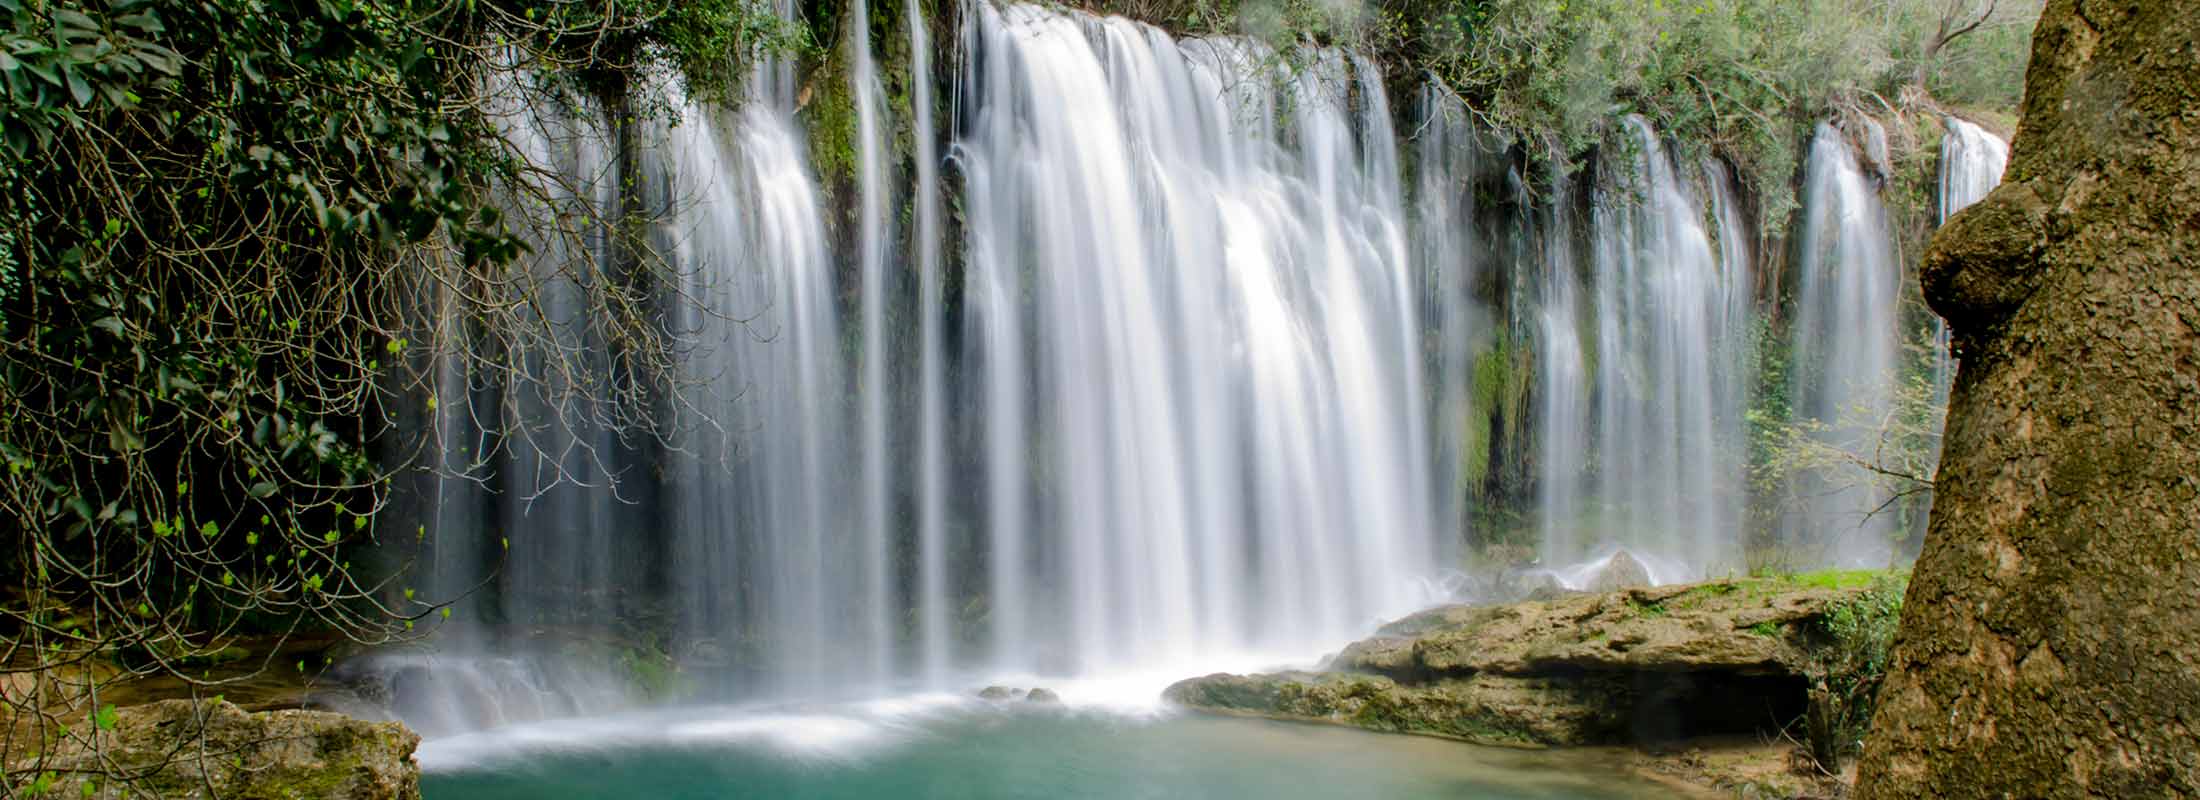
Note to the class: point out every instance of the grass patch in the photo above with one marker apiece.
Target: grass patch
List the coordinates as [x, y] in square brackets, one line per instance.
[1647, 609]
[1842, 578]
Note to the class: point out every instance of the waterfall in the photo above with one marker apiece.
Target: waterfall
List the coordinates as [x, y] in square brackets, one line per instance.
[1666, 435]
[874, 389]
[932, 589]
[1642, 446]
[1971, 163]
[1169, 362]
[520, 470]
[1456, 324]
[770, 587]
[1844, 353]
[1220, 320]
[1563, 381]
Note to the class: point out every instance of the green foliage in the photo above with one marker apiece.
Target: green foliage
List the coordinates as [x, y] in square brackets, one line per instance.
[1848, 668]
[1743, 78]
[213, 220]
[1746, 78]
[205, 201]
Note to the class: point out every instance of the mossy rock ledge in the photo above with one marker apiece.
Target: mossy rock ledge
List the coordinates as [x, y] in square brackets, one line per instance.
[188, 750]
[1635, 666]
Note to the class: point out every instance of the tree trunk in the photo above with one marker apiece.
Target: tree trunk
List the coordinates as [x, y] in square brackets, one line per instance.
[2050, 642]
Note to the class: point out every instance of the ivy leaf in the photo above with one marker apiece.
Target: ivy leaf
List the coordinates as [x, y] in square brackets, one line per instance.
[77, 87]
[105, 718]
[262, 489]
[124, 440]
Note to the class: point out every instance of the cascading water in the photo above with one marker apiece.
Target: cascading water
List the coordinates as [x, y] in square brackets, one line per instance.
[874, 197]
[522, 470]
[1458, 326]
[1669, 318]
[767, 578]
[1669, 425]
[1190, 375]
[1844, 349]
[932, 544]
[1971, 163]
[1218, 319]
[1563, 381]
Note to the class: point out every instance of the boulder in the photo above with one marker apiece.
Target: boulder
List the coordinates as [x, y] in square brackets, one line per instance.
[1621, 571]
[1042, 696]
[248, 756]
[998, 693]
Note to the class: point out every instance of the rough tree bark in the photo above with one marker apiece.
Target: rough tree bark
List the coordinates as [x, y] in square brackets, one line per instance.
[2050, 643]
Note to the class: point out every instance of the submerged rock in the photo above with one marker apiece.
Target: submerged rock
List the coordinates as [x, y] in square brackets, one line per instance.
[273, 754]
[1042, 696]
[1639, 664]
[999, 693]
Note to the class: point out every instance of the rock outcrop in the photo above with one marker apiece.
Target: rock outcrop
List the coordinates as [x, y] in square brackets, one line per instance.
[1636, 665]
[2048, 639]
[181, 750]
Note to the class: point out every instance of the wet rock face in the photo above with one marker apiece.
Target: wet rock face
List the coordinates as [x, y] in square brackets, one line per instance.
[262, 756]
[2048, 635]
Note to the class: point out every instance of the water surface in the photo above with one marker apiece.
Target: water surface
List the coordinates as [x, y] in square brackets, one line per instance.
[919, 749]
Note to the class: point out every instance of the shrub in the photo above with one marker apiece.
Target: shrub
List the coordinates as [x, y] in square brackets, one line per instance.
[1848, 667]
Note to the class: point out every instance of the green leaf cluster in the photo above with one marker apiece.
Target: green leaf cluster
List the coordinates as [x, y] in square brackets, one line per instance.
[214, 219]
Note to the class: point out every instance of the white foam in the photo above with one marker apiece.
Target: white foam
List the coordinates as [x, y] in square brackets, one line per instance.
[841, 731]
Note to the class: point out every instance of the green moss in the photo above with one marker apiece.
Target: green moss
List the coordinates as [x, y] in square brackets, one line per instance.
[1699, 596]
[1842, 578]
[830, 118]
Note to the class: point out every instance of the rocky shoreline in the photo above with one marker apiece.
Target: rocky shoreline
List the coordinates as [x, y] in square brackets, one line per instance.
[187, 749]
[1666, 669]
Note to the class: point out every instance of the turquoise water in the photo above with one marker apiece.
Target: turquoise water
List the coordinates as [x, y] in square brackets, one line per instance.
[965, 750]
